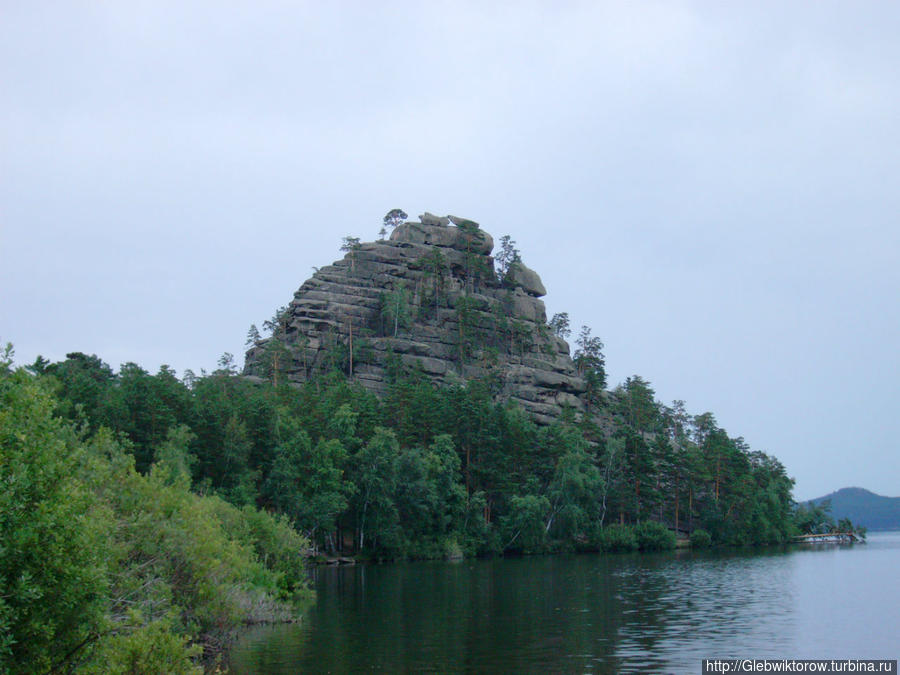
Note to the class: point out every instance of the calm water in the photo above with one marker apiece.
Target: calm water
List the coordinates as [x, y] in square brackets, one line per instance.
[593, 613]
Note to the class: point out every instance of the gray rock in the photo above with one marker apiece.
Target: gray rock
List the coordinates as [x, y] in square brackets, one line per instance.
[428, 365]
[528, 307]
[527, 279]
[432, 234]
[486, 243]
[431, 219]
[536, 373]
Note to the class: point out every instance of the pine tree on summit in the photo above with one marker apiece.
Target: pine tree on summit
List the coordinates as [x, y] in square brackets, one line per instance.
[394, 217]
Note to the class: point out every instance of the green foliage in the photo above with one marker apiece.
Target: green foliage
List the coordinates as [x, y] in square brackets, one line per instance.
[376, 481]
[350, 246]
[521, 337]
[253, 336]
[395, 311]
[425, 470]
[429, 498]
[108, 570]
[434, 266]
[145, 648]
[6, 359]
[173, 554]
[173, 459]
[275, 543]
[590, 363]
[559, 324]
[478, 535]
[305, 480]
[394, 217]
[466, 309]
[523, 527]
[475, 264]
[573, 494]
[653, 536]
[814, 518]
[52, 569]
[638, 406]
[276, 357]
[506, 257]
[618, 539]
[700, 538]
[142, 405]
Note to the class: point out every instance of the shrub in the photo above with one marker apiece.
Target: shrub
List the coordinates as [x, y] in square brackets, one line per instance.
[276, 544]
[700, 539]
[137, 646]
[452, 549]
[617, 538]
[652, 536]
[524, 528]
[103, 569]
[52, 536]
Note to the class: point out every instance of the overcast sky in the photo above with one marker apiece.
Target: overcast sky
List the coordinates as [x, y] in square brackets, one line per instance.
[713, 187]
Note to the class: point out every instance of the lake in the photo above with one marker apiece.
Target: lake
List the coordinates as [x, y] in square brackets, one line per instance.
[592, 613]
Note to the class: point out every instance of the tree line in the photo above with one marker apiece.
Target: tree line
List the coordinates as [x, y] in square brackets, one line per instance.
[426, 471]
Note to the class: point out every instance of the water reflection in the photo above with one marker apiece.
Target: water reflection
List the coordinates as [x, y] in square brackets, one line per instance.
[586, 613]
[681, 611]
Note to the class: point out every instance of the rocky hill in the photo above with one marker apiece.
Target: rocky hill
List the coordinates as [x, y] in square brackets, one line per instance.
[430, 297]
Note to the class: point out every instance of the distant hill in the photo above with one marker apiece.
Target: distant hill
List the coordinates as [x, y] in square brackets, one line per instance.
[864, 508]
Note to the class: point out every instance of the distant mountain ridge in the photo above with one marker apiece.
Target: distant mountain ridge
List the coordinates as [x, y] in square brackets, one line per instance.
[864, 508]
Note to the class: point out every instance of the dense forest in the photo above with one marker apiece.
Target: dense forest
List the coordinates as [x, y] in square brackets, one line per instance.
[427, 471]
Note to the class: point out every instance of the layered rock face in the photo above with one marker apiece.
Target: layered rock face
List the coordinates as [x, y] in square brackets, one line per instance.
[430, 298]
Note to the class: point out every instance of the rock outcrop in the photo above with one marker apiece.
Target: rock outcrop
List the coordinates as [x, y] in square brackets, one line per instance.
[429, 298]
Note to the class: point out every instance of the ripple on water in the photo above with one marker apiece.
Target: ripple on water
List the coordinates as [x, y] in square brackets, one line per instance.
[592, 613]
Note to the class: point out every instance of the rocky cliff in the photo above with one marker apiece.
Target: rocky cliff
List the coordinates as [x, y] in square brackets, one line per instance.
[431, 298]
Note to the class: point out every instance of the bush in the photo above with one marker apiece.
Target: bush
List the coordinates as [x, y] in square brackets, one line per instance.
[700, 539]
[209, 564]
[452, 550]
[137, 646]
[652, 536]
[617, 538]
[103, 569]
[277, 545]
[53, 571]
[523, 528]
